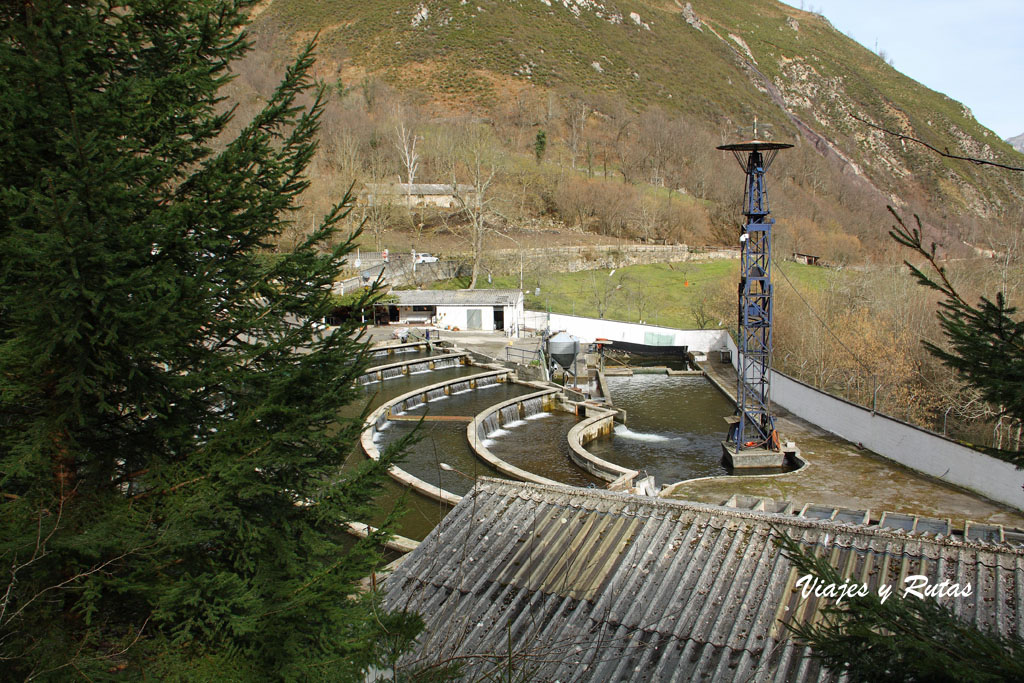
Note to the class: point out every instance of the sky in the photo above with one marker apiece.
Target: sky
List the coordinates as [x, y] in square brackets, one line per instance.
[971, 50]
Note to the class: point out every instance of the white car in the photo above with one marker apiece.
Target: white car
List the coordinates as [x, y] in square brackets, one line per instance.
[425, 258]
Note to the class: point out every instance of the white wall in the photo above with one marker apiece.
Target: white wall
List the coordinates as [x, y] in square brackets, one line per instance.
[916, 448]
[457, 316]
[589, 329]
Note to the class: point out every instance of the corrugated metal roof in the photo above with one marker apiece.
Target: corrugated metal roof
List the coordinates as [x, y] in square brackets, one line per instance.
[590, 585]
[458, 297]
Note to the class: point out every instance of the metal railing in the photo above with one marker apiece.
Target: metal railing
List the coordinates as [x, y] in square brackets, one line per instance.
[521, 356]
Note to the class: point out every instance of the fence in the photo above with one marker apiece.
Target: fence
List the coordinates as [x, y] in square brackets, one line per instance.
[907, 444]
[911, 446]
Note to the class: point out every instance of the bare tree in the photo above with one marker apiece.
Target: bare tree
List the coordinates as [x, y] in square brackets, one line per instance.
[405, 142]
[577, 111]
[602, 291]
[628, 151]
[639, 294]
[473, 157]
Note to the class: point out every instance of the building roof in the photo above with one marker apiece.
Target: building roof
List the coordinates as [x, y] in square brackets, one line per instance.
[418, 188]
[588, 585]
[458, 297]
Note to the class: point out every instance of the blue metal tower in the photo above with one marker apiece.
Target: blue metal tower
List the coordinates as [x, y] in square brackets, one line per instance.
[755, 427]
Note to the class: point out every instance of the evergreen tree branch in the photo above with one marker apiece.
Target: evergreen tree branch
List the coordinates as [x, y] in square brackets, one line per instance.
[900, 639]
[986, 342]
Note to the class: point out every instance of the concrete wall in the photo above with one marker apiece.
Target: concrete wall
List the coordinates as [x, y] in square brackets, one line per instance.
[574, 259]
[916, 448]
[589, 329]
[908, 445]
[380, 416]
[599, 422]
[477, 442]
[894, 439]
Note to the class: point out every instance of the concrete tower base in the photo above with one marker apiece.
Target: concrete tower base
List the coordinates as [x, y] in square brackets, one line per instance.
[751, 457]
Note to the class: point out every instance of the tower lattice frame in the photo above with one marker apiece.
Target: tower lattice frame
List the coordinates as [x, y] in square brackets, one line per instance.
[756, 425]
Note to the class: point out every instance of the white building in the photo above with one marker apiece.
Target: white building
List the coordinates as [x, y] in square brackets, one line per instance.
[464, 309]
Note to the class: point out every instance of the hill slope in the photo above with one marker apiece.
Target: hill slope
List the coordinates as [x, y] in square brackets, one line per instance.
[721, 62]
[1017, 142]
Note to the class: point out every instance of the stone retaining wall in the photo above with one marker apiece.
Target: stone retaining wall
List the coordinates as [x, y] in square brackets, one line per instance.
[574, 259]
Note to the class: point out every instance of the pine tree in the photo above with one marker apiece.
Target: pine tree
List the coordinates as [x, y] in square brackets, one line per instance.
[540, 145]
[870, 640]
[170, 452]
[985, 340]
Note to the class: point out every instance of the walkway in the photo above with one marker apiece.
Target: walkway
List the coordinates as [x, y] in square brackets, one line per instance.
[843, 475]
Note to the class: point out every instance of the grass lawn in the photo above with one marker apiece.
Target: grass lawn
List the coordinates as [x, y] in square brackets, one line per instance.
[660, 294]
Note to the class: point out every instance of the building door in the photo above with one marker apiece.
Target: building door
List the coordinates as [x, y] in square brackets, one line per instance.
[473, 319]
[499, 318]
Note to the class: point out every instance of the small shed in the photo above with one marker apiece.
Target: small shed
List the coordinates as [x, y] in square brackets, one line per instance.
[806, 259]
[465, 309]
[417, 195]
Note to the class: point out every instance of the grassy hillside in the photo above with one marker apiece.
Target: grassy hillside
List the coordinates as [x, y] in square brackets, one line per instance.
[660, 294]
[826, 77]
[738, 59]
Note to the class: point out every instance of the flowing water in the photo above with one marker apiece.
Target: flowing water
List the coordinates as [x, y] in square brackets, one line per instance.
[468, 403]
[422, 513]
[381, 392]
[674, 427]
[383, 356]
[391, 373]
[445, 442]
[538, 444]
[439, 442]
[445, 363]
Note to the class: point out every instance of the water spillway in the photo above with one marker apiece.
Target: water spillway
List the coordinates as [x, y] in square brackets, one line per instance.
[378, 393]
[401, 352]
[442, 435]
[674, 431]
[422, 514]
[467, 403]
[674, 427]
[538, 442]
[413, 363]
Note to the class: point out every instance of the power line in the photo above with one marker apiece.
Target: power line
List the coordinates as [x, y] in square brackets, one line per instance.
[820, 320]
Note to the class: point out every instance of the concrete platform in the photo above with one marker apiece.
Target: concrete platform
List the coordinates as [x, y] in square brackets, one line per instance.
[844, 475]
[759, 458]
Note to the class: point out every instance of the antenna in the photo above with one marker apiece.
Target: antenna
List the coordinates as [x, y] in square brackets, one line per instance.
[752, 440]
